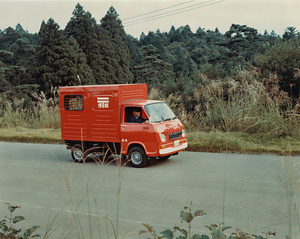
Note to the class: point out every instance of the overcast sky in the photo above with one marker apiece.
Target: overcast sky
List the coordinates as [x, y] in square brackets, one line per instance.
[208, 14]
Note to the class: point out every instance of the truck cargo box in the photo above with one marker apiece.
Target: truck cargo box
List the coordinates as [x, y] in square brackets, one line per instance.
[92, 113]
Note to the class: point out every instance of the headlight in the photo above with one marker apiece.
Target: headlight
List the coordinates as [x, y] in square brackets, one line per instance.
[183, 133]
[163, 137]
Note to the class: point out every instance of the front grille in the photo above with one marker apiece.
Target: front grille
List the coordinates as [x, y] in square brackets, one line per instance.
[175, 135]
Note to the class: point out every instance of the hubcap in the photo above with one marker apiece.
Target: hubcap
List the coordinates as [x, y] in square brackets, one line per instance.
[136, 157]
[78, 154]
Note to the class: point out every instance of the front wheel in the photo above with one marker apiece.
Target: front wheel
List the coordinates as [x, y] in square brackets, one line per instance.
[77, 153]
[137, 157]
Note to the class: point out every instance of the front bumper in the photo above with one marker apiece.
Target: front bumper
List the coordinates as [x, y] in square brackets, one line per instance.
[175, 149]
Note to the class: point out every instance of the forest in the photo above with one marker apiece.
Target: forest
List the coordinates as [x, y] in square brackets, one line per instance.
[212, 80]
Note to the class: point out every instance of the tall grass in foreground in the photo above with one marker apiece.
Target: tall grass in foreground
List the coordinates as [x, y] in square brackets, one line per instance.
[41, 112]
[90, 216]
[290, 181]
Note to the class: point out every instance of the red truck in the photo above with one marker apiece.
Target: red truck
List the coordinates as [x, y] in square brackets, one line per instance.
[94, 116]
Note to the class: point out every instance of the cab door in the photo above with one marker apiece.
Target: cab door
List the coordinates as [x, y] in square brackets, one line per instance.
[141, 134]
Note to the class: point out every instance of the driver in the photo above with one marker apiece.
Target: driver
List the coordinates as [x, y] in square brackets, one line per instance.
[136, 117]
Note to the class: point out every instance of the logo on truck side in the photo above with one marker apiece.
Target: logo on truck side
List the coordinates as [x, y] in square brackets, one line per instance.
[103, 102]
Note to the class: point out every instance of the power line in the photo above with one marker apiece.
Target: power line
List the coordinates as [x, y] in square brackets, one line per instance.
[174, 12]
[148, 13]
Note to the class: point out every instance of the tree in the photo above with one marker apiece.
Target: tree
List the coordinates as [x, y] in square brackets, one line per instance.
[183, 64]
[241, 43]
[282, 59]
[84, 29]
[290, 33]
[83, 70]
[181, 34]
[134, 50]
[60, 62]
[153, 70]
[22, 61]
[5, 69]
[120, 70]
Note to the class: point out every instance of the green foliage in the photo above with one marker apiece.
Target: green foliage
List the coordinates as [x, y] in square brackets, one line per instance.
[61, 62]
[17, 58]
[119, 56]
[8, 230]
[104, 45]
[290, 33]
[92, 41]
[153, 70]
[282, 59]
[217, 231]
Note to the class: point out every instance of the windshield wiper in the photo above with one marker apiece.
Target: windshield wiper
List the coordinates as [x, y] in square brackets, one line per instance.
[167, 119]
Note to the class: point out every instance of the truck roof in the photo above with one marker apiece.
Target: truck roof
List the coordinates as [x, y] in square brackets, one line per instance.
[88, 88]
[139, 102]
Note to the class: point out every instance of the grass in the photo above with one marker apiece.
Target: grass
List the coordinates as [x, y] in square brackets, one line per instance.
[27, 135]
[240, 142]
[214, 141]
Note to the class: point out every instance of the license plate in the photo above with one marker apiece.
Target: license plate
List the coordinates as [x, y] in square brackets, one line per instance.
[176, 143]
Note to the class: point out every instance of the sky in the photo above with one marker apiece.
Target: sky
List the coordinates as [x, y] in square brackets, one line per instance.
[150, 15]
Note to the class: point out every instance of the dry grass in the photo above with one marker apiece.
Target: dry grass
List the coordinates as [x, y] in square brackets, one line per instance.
[246, 102]
[27, 135]
[42, 113]
[240, 142]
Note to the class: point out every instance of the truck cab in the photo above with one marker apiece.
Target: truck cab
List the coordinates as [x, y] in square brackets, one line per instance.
[93, 116]
[162, 137]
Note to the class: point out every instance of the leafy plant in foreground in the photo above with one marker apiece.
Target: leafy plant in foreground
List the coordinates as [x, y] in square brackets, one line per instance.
[217, 231]
[8, 230]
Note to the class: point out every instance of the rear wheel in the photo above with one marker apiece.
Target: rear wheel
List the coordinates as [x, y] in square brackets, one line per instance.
[77, 153]
[137, 157]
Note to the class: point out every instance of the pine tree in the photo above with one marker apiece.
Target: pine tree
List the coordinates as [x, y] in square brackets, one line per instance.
[119, 57]
[20, 65]
[83, 71]
[58, 61]
[153, 70]
[93, 42]
[290, 33]
[180, 65]
[5, 69]
[241, 42]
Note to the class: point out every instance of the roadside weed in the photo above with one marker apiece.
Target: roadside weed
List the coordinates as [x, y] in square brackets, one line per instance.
[8, 229]
[217, 231]
[90, 212]
[290, 181]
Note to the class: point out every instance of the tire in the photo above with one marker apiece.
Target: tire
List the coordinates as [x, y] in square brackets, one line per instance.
[77, 153]
[137, 157]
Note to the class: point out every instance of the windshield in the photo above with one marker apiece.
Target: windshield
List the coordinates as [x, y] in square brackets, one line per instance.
[159, 112]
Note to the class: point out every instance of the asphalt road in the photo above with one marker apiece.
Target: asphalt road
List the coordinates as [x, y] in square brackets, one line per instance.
[90, 199]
